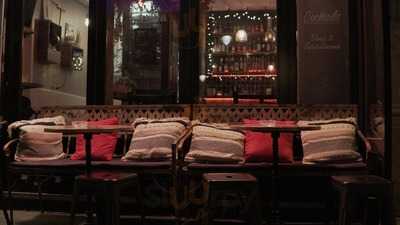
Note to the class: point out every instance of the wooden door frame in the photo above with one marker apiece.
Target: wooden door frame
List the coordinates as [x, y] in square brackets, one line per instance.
[11, 80]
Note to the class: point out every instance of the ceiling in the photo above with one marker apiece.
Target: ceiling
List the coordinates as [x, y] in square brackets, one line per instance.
[83, 2]
[225, 5]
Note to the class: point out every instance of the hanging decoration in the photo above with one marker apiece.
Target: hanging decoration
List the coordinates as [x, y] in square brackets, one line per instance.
[144, 8]
[241, 36]
[226, 39]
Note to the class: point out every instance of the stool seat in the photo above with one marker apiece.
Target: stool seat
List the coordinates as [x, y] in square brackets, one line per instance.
[229, 177]
[359, 180]
[106, 186]
[375, 192]
[106, 176]
[238, 183]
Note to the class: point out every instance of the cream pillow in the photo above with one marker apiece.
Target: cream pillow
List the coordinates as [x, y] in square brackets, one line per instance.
[334, 143]
[216, 143]
[35, 144]
[153, 139]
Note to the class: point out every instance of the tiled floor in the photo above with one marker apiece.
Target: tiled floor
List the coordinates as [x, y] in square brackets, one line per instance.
[36, 218]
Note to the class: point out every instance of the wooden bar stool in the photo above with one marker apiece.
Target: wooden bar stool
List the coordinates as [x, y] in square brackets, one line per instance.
[238, 183]
[375, 191]
[106, 186]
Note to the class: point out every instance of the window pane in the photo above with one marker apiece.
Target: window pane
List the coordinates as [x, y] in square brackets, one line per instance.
[54, 52]
[145, 51]
[239, 51]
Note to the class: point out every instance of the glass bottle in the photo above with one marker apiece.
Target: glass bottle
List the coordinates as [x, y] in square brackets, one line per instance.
[221, 66]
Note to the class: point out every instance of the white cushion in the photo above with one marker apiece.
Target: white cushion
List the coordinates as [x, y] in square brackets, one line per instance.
[152, 139]
[216, 143]
[37, 145]
[334, 143]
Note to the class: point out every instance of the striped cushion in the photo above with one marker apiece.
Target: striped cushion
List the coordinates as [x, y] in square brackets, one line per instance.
[34, 143]
[335, 142]
[216, 143]
[152, 139]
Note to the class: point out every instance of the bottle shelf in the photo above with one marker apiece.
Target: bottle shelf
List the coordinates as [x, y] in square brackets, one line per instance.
[244, 75]
[249, 33]
[257, 53]
[246, 61]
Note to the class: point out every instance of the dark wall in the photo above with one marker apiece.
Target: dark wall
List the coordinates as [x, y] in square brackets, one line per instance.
[323, 52]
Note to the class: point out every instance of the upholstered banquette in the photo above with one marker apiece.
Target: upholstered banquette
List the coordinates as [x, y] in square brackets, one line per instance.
[177, 167]
[237, 113]
[125, 114]
[301, 185]
[52, 179]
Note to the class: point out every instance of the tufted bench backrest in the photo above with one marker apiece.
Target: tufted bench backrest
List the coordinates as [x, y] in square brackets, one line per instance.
[235, 113]
[125, 113]
[202, 112]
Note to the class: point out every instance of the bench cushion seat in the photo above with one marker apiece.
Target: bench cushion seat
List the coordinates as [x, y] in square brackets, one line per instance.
[66, 165]
[295, 168]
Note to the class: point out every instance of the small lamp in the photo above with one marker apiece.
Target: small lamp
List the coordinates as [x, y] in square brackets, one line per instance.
[241, 36]
[226, 39]
[202, 78]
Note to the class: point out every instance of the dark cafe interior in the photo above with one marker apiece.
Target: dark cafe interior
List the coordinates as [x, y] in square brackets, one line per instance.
[199, 112]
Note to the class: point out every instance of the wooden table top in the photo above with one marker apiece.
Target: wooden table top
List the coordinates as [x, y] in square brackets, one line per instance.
[272, 127]
[93, 129]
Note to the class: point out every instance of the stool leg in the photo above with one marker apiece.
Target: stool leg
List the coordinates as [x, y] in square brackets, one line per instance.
[388, 217]
[5, 212]
[210, 201]
[103, 207]
[343, 208]
[89, 212]
[139, 197]
[372, 211]
[11, 205]
[253, 207]
[6, 217]
[115, 214]
[75, 201]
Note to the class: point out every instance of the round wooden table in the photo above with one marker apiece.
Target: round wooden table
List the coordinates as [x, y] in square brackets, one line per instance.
[88, 131]
[275, 130]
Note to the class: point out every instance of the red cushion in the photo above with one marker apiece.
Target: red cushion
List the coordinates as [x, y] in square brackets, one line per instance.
[258, 146]
[103, 145]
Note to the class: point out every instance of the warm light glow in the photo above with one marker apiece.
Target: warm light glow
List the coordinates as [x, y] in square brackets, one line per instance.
[87, 22]
[269, 36]
[226, 39]
[141, 3]
[202, 78]
[241, 36]
[271, 68]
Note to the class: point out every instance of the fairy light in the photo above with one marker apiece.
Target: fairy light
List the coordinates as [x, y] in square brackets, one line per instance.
[211, 24]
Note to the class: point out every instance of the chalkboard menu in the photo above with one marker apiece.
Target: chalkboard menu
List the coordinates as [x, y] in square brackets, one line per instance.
[323, 58]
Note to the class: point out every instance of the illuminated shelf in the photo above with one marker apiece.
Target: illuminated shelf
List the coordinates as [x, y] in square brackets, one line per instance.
[243, 75]
[224, 54]
[249, 33]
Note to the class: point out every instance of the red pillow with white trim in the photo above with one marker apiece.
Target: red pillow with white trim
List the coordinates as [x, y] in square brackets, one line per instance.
[258, 146]
[103, 145]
